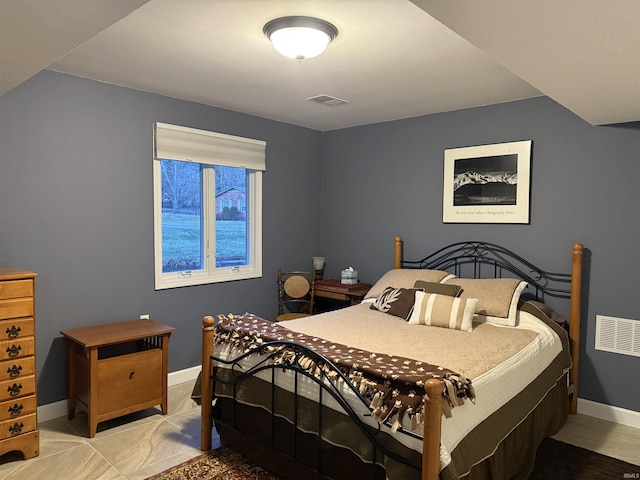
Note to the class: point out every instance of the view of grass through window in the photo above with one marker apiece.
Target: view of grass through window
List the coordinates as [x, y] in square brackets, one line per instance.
[184, 209]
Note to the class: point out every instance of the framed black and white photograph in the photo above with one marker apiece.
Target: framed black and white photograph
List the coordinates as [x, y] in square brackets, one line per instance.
[487, 183]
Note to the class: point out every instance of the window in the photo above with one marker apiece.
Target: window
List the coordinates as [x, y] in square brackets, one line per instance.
[207, 207]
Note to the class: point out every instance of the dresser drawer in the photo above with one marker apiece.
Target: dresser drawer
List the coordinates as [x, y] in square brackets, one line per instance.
[16, 307]
[18, 401]
[17, 368]
[17, 388]
[18, 348]
[14, 427]
[16, 289]
[18, 408]
[16, 328]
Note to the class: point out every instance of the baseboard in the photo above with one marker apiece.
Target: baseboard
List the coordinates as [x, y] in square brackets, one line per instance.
[59, 409]
[183, 376]
[610, 413]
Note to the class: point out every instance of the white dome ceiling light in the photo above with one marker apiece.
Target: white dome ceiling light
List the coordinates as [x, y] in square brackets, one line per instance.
[300, 37]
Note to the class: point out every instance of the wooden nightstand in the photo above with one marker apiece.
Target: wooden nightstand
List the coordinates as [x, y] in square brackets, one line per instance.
[117, 368]
[334, 291]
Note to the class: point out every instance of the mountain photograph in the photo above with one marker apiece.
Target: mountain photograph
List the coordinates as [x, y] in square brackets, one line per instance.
[486, 181]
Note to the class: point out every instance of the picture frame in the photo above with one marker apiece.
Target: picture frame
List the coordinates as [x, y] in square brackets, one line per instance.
[487, 183]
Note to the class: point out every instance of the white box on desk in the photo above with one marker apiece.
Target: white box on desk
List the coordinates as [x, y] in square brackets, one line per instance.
[349, 277]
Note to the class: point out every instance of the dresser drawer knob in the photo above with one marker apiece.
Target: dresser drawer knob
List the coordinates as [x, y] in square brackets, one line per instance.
[15, 410]
[14, 331]
[14, 371]
[14, 389]
[16, 428]
[131, 374]
[14, 350]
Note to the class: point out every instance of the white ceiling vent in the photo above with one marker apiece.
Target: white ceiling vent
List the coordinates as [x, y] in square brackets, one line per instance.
[327, 100]
[618, 335]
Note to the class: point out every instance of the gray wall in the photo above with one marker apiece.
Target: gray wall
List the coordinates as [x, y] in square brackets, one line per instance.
[383, 180]
[76, 206]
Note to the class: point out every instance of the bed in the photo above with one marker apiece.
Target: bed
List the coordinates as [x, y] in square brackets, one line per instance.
[340, 394]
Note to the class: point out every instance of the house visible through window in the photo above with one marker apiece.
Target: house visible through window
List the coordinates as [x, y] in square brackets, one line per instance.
[207, 208]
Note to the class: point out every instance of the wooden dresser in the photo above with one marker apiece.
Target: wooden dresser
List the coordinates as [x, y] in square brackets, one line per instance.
[18, 401]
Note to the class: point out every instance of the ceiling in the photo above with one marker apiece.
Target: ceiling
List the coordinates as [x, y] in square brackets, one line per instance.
[392, 59]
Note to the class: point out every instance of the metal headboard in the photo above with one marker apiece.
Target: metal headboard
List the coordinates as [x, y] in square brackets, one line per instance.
[488, 260]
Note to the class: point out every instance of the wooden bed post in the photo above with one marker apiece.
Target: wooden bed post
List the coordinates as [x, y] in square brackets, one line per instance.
[574, 322]
[206, 422]
[397, 252]
[432, 430]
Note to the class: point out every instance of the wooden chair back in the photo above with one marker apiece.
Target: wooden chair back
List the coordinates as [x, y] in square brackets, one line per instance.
[295, 294]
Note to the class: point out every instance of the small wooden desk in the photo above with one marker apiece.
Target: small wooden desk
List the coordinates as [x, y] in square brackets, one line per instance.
[335, 290]
[117, 368]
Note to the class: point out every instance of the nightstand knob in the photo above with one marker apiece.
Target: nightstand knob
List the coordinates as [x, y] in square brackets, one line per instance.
[15, 410]
[14, 371]
[16, 428]
[14, 389]
[131, 374]
[14, 350]
[13, 331]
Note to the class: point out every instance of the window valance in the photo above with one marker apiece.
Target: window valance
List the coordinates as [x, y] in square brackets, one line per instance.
[173, 142]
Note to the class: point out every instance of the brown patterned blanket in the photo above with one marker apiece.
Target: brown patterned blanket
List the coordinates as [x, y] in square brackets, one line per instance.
[393, 385]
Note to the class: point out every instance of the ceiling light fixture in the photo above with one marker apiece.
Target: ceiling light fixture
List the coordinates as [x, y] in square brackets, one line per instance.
[300, 37]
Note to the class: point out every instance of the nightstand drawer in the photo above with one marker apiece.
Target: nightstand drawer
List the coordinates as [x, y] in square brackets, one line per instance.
[18, 408]
[20, 387]
[129, 380]
[14, 427]
[16, 289]
[18, 348]
[16, 307]
[18, 368]
[16, 328]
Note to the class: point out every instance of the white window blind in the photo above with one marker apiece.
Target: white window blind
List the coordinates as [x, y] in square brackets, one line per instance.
[173, 142]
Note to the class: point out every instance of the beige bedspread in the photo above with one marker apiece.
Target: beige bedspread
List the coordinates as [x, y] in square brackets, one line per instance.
[475, 431]
[469, 353]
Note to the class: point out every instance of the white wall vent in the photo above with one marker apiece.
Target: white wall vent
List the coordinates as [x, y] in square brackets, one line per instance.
[618, 335]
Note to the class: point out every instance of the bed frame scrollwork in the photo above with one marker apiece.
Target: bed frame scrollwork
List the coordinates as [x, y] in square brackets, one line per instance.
[471, 257]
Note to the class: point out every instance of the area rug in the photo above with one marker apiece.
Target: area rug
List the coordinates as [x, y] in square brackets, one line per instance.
[219, 464]
[554, 460]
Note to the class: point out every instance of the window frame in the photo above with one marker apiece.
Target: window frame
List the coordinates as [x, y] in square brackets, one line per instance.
[209, 273]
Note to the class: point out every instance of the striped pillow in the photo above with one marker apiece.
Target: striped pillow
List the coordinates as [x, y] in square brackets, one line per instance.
[443, 311]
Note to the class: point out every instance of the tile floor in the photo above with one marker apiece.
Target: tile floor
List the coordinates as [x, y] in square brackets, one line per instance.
[140, 445]
[132, 447]
[611, 439]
